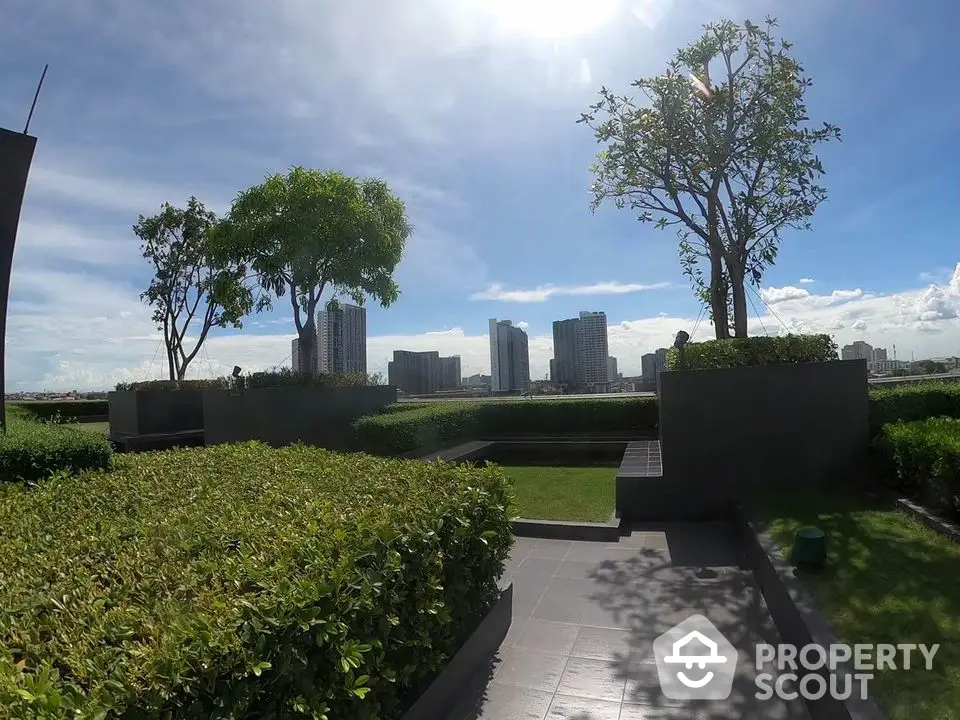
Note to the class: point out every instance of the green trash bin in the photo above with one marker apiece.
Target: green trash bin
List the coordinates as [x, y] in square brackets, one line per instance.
[809, 548]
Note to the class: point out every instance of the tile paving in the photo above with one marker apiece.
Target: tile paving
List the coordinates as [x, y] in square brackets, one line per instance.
[585, 616]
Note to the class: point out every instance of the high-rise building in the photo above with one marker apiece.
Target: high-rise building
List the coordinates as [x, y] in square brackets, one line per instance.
[564, 367]
[415, 373]
[450, 373]
[879, 354]
[592, 351]
[342, 336]
[859, 350]
[509, 357]
[612, 369]
[651, 365]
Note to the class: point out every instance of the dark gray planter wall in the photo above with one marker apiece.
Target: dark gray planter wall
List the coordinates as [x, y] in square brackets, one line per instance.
[281, 416]
[725, 432]
[148, 412]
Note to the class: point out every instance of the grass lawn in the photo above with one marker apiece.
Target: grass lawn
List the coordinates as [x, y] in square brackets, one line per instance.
[95, 427]
[564, 493]
[889, 579]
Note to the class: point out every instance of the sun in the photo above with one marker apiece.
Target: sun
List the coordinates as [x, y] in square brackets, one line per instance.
[547, 19]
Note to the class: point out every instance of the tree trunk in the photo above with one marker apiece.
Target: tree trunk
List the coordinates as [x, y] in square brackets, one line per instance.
[718, 296]
[740, 316]
[307, 347]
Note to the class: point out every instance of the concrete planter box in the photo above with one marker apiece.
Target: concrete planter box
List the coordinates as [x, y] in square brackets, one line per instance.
[285, 415]
[725, 433]
[134, 413]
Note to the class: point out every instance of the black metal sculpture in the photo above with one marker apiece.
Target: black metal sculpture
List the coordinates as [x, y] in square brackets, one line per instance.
[16, 155]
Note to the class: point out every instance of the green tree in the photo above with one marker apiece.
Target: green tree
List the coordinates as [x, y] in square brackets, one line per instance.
[188, 284]
[309, 231]
[723, 150]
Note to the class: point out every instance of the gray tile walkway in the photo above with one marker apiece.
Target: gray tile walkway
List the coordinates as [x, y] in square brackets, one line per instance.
[585, 616]
[641, 459]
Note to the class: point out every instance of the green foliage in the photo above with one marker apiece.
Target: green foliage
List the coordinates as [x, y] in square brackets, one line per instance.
[31, 451]
[221, 383]
[243, 581]
[64, 409]
[430, 426]
[922, 458]
[308, 231]
[285, 377]
[918, 401]
[188, 282]
[758, 350]
[719, 146]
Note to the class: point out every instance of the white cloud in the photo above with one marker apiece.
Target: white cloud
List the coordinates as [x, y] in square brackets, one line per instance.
[772, 295]
[806, 281]
[543, 293]
[42, 241]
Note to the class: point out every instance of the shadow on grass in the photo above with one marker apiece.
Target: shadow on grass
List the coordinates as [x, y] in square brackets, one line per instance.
[888, 579]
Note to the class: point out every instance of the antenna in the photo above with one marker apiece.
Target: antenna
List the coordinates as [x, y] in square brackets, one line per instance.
[36, 95]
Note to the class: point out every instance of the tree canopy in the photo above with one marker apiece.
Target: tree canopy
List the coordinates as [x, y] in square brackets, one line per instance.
[310, 231]
[188, 282]
[721, 148]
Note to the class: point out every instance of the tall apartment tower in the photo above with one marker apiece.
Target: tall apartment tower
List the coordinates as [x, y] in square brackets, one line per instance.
[564, 364]
[859, 350]
[295, 354]
[593, 351]
[342, 335]
[416, 373]
[450, 372]
[509, 357]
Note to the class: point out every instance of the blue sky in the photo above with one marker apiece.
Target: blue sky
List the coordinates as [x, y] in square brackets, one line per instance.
[467, 108]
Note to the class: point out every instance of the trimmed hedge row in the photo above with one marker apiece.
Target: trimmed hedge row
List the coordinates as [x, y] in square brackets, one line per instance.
[284, 377]
[922, 459]
[65, 409]
[435, 425]
[914, 402]
[759, 350]
[243, 581]
[32, 451]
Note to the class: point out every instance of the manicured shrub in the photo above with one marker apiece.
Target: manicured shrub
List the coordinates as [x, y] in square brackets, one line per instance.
[914, 402]
[760, 350]
[221, 383]
[431, 426]
[31, 451]
[64, 409]
[922, 459]
[240, 581]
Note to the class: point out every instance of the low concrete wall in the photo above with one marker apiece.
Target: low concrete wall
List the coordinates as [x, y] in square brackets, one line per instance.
[726, 432]
[281, 416]
[150, 412]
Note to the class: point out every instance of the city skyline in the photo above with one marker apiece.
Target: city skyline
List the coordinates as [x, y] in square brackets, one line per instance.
[141, 108]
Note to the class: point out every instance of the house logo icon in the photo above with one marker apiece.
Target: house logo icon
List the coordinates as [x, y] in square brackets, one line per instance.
[695, 661]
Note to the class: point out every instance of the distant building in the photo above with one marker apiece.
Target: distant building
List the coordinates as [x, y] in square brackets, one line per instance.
[477, 381]
[342, 337]
[612, 373]
[580, 353]
[859, 350]
[879, 354]
[509, 357]
[563, 367]
[450, 373]
[415, 373]
[651, 365]
[592, 351]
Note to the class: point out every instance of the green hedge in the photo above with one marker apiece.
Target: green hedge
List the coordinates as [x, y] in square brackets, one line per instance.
[65, 409]
[32, 451]
[284, 377]
[914, 402]
[761, 350]
[240, 581]
[922, 459]
[222, 383]
[435, 425]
